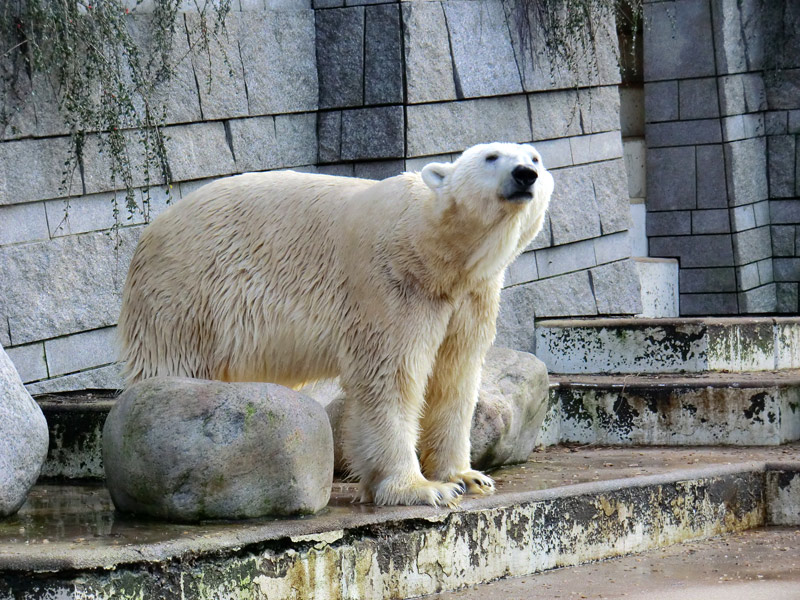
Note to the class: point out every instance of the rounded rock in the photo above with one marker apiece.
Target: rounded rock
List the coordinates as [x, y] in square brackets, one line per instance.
[23, 439]
[186, 450]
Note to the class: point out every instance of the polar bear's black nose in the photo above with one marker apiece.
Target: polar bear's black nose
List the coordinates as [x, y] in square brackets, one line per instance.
[524, 176]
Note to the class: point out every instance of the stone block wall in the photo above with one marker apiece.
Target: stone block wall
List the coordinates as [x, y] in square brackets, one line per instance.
[721, 150]
[363, 88]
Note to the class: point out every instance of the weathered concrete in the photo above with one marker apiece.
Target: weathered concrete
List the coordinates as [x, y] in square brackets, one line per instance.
[675, 410]
[668, 345]
[761, 564]
[68, 541]
[75, 421]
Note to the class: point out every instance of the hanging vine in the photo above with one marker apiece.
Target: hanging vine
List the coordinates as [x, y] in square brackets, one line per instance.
[103, 61]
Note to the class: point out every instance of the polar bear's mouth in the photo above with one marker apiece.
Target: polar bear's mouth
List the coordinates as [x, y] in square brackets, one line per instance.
[520, 196]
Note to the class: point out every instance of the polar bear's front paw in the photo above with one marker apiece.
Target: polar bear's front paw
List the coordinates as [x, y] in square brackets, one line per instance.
[474, 482]
[421, 491]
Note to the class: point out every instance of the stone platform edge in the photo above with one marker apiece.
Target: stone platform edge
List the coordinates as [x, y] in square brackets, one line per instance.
[605, 518]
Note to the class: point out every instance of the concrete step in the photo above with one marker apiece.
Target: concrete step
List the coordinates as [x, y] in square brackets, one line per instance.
[674, 410]
[659, 284]
[691, 345]
[758, 564]
[564, 507]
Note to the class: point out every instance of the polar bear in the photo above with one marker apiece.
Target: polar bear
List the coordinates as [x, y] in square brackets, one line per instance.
[392, 285]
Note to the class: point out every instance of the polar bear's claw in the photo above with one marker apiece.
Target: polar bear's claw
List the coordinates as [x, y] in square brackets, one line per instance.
[475, 482]
[433, 493]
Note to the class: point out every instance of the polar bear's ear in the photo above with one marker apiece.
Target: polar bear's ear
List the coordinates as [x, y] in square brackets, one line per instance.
[433, 174]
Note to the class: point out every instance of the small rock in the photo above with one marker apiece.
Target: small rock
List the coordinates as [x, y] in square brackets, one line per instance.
[512, 404]
[187, 449]
[23, 439]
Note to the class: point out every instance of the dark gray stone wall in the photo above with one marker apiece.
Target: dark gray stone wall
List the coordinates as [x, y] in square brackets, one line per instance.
[364, 88]
[722, 105]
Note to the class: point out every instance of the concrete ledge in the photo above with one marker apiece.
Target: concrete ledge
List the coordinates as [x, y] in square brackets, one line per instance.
[365, 551]
[760, 408]
[692, 345]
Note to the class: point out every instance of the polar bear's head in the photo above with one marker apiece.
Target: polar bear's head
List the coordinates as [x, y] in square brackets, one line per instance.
[508, 176]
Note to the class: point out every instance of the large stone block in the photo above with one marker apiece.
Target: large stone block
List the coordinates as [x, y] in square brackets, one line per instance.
[565, 295]
[34, 169]
[564, 259]
[673, 222]
[81, 351]
[613, 247]
[783, 240]
[555, 114]
[220, 80]
[786, 269]
[671, 181]
[684, 27]
[634, 152]
[683, 133]
[739, 127]
[522, 270]
[600, 108]
[23, 223]
[428, 63]
[707, 280]
[782, 176]
[696, 250]
[185, 449]
[340, 57]
[742, 93]
[29, 361]
[108, 377]
[64, 285]
[180, 94]
[31, 106]
[199, 150]
[555, 153]
[383, 55]
[708, 304]
[262, 143]
[698, 98]
[742, 217]
[711, 221]
[453, 126]
[483, 58]
[661, 101]
[515, 322]
[279, 59]
[752, 245]
[738, 35]
[759, 300]
[746, 171]
[595, 147]
[776, 122]
[95, 212]
[23, 430]
[611, 194]
[373, 133]
[616, 288]
[574, 214]
[712, 191]
[786, 298]
[783, 89]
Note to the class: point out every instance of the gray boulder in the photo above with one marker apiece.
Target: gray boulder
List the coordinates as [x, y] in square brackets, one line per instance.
[186, 449]
[512, 404]
[23, 439]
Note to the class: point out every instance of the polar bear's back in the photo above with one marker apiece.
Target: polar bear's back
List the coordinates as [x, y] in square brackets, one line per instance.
[242, 276]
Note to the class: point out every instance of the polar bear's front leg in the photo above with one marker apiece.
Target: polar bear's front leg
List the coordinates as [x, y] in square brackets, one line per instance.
[381, 427]
[453, 391]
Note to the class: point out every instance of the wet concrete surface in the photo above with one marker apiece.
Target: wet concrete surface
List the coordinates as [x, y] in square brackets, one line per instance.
[760, 564]
[76, 526]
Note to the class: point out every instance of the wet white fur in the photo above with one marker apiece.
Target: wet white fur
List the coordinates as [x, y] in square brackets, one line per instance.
[392, 285]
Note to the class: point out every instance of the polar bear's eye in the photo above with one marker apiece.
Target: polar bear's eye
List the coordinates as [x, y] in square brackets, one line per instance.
[491, 158]
[535, 160]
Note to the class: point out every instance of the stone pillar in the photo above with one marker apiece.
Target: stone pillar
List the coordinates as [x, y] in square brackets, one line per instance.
[713, 166]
